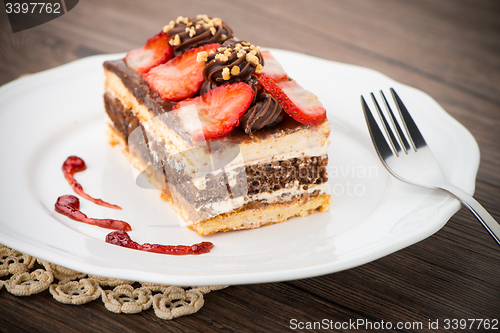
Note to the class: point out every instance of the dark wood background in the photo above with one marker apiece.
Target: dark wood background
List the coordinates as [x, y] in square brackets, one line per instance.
[450, 49]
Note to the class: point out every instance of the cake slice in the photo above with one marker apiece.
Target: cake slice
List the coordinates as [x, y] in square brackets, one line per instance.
[230, 145]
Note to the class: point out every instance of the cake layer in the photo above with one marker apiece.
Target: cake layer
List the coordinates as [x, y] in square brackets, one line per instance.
[214, 193]
[270, 208]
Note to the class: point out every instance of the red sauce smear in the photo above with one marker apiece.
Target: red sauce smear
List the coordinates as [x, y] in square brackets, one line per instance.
[72, 165]
[121, 238]
[69, 205]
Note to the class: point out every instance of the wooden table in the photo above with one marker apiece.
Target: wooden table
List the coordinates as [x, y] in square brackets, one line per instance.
[449, 49]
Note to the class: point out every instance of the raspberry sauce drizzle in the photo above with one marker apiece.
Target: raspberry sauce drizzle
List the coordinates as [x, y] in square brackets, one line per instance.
[72, 165]
[69, 205]
[121, 238]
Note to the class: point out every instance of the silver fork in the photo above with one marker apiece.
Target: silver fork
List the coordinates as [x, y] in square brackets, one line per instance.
[410, 159]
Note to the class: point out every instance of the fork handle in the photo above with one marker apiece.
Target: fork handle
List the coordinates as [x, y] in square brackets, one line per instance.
[475, 207]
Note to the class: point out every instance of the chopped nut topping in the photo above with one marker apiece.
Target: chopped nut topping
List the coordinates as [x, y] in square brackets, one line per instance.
[176, 41]
[223, 36]
[227, 53]
[217, 22]
[252, 58]
[182, 19]
[202, 20]
[213, 30]
[192, 32]
[169, 26]
[258, 69]
[202, 57]
[241, 53]
[235, 70]
[225, 73]
[212, 52]
[221, 57]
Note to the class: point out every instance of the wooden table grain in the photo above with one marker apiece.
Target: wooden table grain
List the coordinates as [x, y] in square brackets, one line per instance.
[449, 49]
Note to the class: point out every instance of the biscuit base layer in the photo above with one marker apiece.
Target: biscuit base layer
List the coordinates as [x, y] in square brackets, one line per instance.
[258, 217]
[243, 218]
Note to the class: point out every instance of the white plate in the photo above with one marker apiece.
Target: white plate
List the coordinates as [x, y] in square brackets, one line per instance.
[48, 116]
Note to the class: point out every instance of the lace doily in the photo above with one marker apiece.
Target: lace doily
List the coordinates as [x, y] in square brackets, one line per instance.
[28, 275]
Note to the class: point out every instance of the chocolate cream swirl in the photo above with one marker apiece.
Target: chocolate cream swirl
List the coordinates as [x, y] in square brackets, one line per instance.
[234, 61]
[266, 112]
[206, 86]
[186, 33]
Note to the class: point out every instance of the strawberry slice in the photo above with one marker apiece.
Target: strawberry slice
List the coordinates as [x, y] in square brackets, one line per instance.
[156, 51]
[300, 104]
[219, 111]
[181, 77]
[272, 67]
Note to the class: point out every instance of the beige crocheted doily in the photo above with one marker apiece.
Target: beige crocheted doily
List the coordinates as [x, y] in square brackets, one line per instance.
[28, 275]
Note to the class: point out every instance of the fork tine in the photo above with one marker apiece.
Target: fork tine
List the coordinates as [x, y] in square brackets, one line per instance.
[394, 142]
[395, 124]
[416, 138]
[378, 138]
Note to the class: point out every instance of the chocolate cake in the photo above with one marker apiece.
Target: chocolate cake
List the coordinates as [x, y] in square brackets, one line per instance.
[219, 127]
